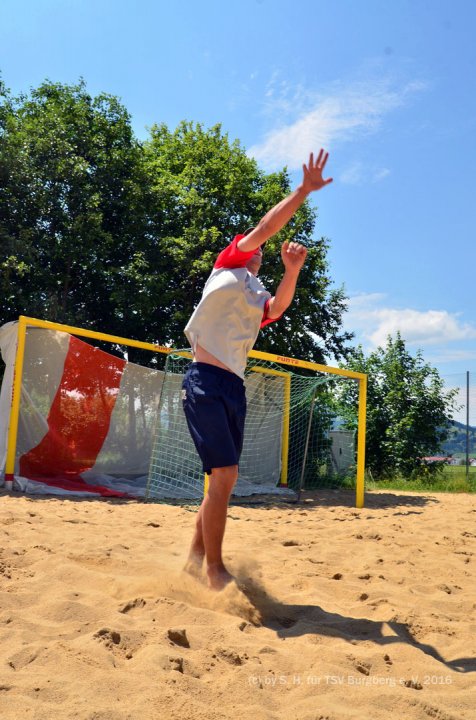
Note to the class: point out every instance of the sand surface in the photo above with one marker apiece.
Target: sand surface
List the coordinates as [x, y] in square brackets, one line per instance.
[343, 613]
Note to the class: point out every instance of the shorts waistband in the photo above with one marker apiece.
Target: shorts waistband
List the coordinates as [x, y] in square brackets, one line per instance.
[219, 372]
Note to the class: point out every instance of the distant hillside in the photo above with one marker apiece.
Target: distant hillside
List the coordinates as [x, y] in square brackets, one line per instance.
[456, 443]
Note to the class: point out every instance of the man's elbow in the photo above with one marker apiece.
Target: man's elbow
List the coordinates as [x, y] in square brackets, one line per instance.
[276, 310]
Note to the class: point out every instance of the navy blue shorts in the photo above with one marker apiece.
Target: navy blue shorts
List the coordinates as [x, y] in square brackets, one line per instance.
[214, 403]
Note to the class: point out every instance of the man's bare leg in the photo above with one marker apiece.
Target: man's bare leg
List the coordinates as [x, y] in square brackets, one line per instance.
[213, 520]
[197, 549]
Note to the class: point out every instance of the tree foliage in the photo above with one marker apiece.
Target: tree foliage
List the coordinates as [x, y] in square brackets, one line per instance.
[100, 230]
[206, 190]
[70, 204]
[408, 410]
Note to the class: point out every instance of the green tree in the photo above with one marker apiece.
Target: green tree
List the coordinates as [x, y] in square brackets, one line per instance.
[100, 230]
[408, 410]
[205, 191]
[71, 204]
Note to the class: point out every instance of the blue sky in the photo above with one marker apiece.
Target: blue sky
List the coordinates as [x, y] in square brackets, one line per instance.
[389, 88]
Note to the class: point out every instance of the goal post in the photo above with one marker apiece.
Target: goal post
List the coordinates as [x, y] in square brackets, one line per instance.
[276, 385]
[361, 379]
[24, 323]
[276, 435]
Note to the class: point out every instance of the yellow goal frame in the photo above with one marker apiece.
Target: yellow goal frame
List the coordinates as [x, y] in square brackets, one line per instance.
[361, 378]
[286, 416]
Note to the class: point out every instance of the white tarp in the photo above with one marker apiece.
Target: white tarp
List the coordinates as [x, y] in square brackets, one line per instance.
[87, 423]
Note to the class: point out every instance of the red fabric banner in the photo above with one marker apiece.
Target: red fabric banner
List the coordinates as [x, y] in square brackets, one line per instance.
[79, 418]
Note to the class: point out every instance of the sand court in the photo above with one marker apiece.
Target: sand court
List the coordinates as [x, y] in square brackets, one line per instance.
[337, 612]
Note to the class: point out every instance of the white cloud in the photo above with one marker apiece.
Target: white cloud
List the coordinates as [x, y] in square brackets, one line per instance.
[421, 328]
[353, 174]
[369, 318]
[356, 174]
[454, 355]
[380, 174]
[312, 120]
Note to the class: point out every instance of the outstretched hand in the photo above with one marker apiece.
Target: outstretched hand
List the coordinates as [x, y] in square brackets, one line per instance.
[293, 255]
[313, 179]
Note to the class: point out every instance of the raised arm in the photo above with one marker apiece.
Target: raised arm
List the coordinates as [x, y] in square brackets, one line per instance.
[276, 218]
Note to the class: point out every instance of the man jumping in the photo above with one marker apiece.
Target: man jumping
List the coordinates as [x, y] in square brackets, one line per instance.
[222, 331]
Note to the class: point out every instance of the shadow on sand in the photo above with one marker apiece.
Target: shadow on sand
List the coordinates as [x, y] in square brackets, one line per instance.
[297, 620]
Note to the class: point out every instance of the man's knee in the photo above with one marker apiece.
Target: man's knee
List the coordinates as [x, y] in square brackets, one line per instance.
[222, 480]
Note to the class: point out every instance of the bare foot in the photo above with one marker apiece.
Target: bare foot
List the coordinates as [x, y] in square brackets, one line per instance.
[218, 577]
[193, 566]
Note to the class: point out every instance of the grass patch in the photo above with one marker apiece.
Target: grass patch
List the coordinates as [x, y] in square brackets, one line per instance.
[450, 480]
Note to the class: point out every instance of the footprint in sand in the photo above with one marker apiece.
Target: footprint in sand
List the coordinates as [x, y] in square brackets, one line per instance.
[133, 605]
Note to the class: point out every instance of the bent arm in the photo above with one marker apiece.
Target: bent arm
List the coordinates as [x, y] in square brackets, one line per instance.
[293, 256]
[284, 295]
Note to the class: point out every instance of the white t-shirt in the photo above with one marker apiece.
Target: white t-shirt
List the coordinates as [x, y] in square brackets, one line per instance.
[227, 320]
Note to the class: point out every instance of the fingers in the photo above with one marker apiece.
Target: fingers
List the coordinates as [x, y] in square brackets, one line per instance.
[312, 173]
[294, 248]
[320, 161]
